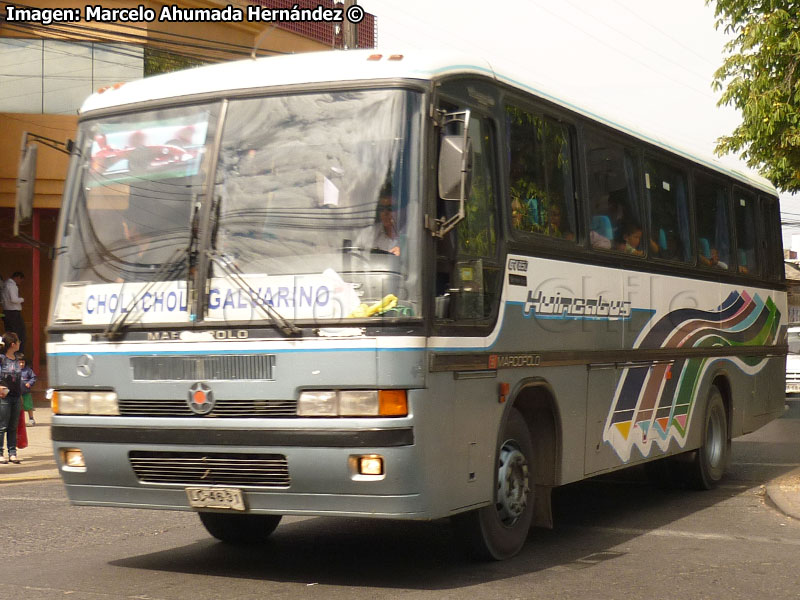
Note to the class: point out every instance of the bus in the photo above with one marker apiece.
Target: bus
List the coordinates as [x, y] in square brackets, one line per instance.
[397, 286]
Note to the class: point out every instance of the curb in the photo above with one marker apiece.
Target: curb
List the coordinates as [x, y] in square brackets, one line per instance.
[49, 474]
[36, 467]
[784, 493]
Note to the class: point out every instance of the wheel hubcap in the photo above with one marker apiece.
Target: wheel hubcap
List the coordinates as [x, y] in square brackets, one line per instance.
[512, 483]
[714, 441]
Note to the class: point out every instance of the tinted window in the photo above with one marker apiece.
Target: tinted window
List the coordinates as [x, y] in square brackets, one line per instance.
[666, 193]
[744, 210]
[770, 235]
[713, 224]
[541, 174]
[615, 221]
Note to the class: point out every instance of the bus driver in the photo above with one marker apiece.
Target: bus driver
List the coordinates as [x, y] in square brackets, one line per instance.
[383, 234]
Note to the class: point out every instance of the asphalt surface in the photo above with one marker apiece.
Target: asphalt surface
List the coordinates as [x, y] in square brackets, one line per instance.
[39, 463]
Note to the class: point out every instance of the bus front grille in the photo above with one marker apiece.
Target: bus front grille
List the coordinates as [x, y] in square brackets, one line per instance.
[225, 407]
[211, 367]
[211, 468]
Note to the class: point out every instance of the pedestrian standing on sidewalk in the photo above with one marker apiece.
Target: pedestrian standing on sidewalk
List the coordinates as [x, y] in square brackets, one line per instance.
[11, 403]
[28, 379]
[12, 307]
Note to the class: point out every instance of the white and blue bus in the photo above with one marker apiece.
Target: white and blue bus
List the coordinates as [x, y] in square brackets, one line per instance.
[396, 286]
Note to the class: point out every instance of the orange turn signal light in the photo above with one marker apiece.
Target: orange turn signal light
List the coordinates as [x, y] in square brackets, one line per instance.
[392, 403]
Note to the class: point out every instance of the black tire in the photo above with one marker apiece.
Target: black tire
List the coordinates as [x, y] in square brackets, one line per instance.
[499, 531]
[709, 462]
[236, 528]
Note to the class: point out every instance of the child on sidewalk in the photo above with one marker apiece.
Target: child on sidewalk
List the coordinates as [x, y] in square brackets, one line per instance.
[28, 378]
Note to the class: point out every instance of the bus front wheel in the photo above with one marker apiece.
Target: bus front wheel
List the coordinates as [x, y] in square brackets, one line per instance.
[498, 531]
[239, 528]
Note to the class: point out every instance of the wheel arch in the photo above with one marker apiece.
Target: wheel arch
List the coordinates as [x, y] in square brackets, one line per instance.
[723, 384]
[536, 402]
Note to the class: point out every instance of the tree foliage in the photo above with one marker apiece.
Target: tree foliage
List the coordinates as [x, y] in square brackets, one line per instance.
[761, 77]
[158, 61]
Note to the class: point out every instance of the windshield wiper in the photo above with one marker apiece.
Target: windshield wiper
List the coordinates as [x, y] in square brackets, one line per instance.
[236, 275]
[169, 268]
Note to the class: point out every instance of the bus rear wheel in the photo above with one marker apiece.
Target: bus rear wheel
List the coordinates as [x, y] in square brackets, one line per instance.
[236, 528]
[708, 466]
[498, 531]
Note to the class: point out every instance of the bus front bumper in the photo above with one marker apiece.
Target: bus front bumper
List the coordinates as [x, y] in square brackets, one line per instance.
[296, 472]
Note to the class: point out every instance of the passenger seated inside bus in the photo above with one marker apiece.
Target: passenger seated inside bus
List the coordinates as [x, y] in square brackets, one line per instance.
[554, 223]
[631, 239]
[527, 210]
[610, 212]
[743, 261]
[709, 256]
[601, 232]
[659, 246]
[517, 214]
[664, 245]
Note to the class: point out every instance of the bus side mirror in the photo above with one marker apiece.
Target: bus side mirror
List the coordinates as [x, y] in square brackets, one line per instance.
[455, 170]
[452, 158]
[26, 180]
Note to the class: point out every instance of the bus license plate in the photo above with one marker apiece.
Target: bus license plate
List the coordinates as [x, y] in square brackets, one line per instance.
[230, 498]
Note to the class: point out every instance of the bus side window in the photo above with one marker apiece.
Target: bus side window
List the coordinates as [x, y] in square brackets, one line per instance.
[666, 193]
[744, 210]
[541, 180]
[711, 197]
[770, 235]
[615, 218]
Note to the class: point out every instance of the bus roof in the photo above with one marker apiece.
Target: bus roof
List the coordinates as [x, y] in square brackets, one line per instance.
[367, 65]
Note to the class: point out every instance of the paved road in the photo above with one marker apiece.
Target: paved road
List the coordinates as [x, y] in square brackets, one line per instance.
[615, 537]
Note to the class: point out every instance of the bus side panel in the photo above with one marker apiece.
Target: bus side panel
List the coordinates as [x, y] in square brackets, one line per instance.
[667, 339]
[475, 419]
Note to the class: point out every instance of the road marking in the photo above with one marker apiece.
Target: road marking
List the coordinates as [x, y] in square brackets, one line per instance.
[698, 536]
[763, 464]
[33, 499]
[18, 478]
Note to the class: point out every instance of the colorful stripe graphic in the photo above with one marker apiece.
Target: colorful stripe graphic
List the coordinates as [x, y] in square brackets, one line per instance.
[653, 404]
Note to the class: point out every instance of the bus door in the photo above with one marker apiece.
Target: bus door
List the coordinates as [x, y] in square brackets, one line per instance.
[468, 283]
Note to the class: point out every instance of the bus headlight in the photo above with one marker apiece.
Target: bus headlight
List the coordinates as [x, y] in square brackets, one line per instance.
[352, 403]
[70, 402]
[103, 403]
[317, 404]
[358, 403]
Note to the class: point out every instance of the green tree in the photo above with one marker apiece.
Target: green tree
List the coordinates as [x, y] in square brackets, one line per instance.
[761, 77]
[158, 61]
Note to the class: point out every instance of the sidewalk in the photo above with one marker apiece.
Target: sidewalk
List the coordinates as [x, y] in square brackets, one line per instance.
[37, 458]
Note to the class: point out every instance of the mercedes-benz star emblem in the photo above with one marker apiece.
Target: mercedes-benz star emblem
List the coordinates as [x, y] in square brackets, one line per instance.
[85, 365]
[201, 399]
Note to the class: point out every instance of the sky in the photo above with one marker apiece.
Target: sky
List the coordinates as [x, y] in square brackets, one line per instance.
[644, 62]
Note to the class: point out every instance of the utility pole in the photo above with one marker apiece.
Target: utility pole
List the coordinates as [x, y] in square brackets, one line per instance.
[349, 30]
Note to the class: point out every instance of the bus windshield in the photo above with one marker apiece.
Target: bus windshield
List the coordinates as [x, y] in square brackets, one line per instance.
[314, 204]
[312, 211]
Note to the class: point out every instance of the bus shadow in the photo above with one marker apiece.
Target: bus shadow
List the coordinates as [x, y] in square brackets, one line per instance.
[594, 519]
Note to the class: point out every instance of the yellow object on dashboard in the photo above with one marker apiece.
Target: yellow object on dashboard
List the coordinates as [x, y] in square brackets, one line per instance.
[367, 310]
